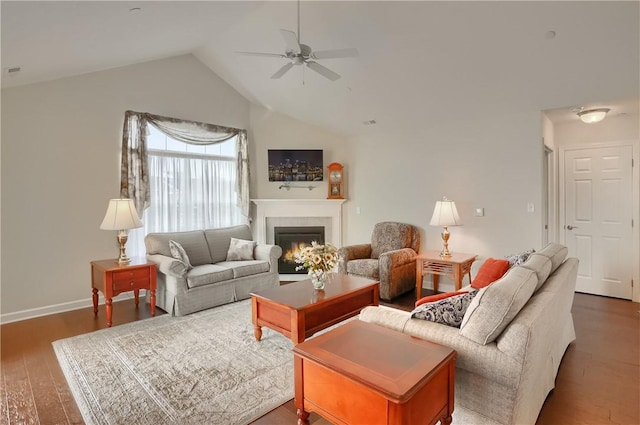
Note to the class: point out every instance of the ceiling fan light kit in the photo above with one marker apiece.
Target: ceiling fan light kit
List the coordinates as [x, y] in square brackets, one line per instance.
[302, 54]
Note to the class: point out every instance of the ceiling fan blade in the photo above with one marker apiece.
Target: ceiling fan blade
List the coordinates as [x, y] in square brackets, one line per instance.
[279, 73]
[324, 71]
[270, 55]
[291, 41]
[337, 53]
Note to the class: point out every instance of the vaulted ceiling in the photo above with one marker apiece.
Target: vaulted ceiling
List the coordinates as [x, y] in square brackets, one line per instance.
[416, 59]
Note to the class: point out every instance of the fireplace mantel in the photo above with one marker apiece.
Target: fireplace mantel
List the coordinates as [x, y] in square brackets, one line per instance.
[283, 208]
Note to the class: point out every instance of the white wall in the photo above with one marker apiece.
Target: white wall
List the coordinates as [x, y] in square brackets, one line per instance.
[486, 162]
[61, 164]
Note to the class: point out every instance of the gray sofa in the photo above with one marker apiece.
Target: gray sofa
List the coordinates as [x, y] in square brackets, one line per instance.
[507, 362]
[213, 280]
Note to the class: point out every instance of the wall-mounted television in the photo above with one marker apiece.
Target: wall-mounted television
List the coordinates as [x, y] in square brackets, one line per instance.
[295, 165]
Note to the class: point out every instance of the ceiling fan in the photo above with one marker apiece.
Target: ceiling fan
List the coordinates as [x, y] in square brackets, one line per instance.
[301, 54]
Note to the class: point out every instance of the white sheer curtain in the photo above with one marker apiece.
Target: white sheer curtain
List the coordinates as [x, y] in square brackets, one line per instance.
[189, 193]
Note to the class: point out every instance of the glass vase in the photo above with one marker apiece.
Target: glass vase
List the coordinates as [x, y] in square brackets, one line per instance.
[319, 278]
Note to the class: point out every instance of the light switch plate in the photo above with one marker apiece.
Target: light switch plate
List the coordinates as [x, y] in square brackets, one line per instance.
[479, 212]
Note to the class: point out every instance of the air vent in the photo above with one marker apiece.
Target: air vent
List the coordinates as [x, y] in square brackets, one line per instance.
[12, 70]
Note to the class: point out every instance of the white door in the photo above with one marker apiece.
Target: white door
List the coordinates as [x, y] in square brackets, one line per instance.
[598, 213]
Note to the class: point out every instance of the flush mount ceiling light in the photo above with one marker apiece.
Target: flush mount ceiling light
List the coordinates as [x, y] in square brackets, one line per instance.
[590, 116]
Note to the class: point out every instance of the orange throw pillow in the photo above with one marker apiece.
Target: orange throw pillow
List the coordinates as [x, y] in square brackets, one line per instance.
[489, 272]
[438, 297]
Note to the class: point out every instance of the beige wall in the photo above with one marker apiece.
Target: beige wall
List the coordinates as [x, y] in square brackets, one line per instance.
[60, 166]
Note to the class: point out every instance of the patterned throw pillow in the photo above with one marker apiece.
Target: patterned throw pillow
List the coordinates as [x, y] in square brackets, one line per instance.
[448, 311]
[240, 249]
[178, 252]
[519, 258]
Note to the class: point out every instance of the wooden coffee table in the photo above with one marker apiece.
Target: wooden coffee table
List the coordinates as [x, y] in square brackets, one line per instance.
[361, 373]
[298, 311]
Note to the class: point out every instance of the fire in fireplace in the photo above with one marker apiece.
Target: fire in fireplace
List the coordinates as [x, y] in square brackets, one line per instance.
[291, 240]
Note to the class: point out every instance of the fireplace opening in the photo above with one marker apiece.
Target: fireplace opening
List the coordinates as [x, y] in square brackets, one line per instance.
[291, 240]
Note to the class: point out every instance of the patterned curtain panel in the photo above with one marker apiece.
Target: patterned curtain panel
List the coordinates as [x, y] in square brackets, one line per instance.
[134, 179]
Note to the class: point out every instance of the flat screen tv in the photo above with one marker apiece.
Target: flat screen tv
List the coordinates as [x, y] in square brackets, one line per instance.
[295, 165]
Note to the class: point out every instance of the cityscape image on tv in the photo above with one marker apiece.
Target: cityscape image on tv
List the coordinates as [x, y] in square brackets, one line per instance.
[296, 165]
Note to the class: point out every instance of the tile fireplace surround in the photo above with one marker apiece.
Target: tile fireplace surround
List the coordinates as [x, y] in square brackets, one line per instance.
[298, 212]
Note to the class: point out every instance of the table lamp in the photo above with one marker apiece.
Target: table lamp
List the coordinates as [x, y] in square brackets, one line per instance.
[445, 214]
[121, 216]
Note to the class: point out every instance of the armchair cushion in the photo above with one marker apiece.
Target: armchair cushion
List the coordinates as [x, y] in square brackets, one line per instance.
[367, 267]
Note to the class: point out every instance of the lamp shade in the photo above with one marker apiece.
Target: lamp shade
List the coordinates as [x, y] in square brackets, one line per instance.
[590, 116]
[121, 214]
[445, 214]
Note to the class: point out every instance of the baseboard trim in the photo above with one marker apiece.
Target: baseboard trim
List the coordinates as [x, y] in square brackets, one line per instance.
[32, 313]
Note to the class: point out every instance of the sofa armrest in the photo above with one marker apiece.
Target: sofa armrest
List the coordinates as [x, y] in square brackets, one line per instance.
[168, 265]
[397, 258]
[269, 253]
[352, 252]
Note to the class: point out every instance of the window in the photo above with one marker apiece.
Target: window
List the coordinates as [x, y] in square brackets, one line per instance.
[191, 186]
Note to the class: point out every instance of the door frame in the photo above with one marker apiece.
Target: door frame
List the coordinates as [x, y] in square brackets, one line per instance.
[635, 189]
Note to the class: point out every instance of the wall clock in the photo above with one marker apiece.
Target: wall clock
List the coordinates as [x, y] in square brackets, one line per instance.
[336, 181]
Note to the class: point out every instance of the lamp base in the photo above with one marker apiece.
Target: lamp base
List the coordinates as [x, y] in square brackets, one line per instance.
[445, 243]
[122, 240]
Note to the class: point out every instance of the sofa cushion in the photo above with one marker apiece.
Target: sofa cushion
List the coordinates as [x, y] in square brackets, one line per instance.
[519, 258]
[219, 240]
[208, 274]
[438, 297]
[556, 253]
[496, 305]
[245, 268]
[541, 265]
[178, 252]
[193, 242]
[367, 267]
[240, 249]
[389, 236]
[448, 311]
[490, 271]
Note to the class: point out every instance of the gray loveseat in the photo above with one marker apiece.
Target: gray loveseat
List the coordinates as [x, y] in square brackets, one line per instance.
[213, 280]
[508, 358]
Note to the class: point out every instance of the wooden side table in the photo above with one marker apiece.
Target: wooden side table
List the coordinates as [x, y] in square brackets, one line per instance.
[406, 381]
[112, 279]
[455, 266]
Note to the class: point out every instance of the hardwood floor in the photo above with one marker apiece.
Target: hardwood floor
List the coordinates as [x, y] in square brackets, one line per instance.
[598, 382]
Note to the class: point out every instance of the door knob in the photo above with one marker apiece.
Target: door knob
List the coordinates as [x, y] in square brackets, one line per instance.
[570, 227]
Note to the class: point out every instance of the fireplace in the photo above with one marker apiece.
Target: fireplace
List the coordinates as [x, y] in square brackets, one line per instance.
[291, 240]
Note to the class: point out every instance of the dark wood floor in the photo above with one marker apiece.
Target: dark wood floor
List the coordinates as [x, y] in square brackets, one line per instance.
[598, 382]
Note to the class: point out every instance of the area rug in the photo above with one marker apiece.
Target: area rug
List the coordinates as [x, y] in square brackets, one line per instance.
[205, 368]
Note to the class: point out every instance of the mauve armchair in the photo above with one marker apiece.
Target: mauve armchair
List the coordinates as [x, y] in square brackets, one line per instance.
[390, 258]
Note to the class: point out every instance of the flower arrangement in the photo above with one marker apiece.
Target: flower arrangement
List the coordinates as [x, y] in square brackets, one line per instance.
[317, 260]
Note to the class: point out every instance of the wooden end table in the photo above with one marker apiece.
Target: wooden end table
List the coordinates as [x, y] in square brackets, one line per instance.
[298, 311]
[361, 373]
[455, 266]
[112, 279]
